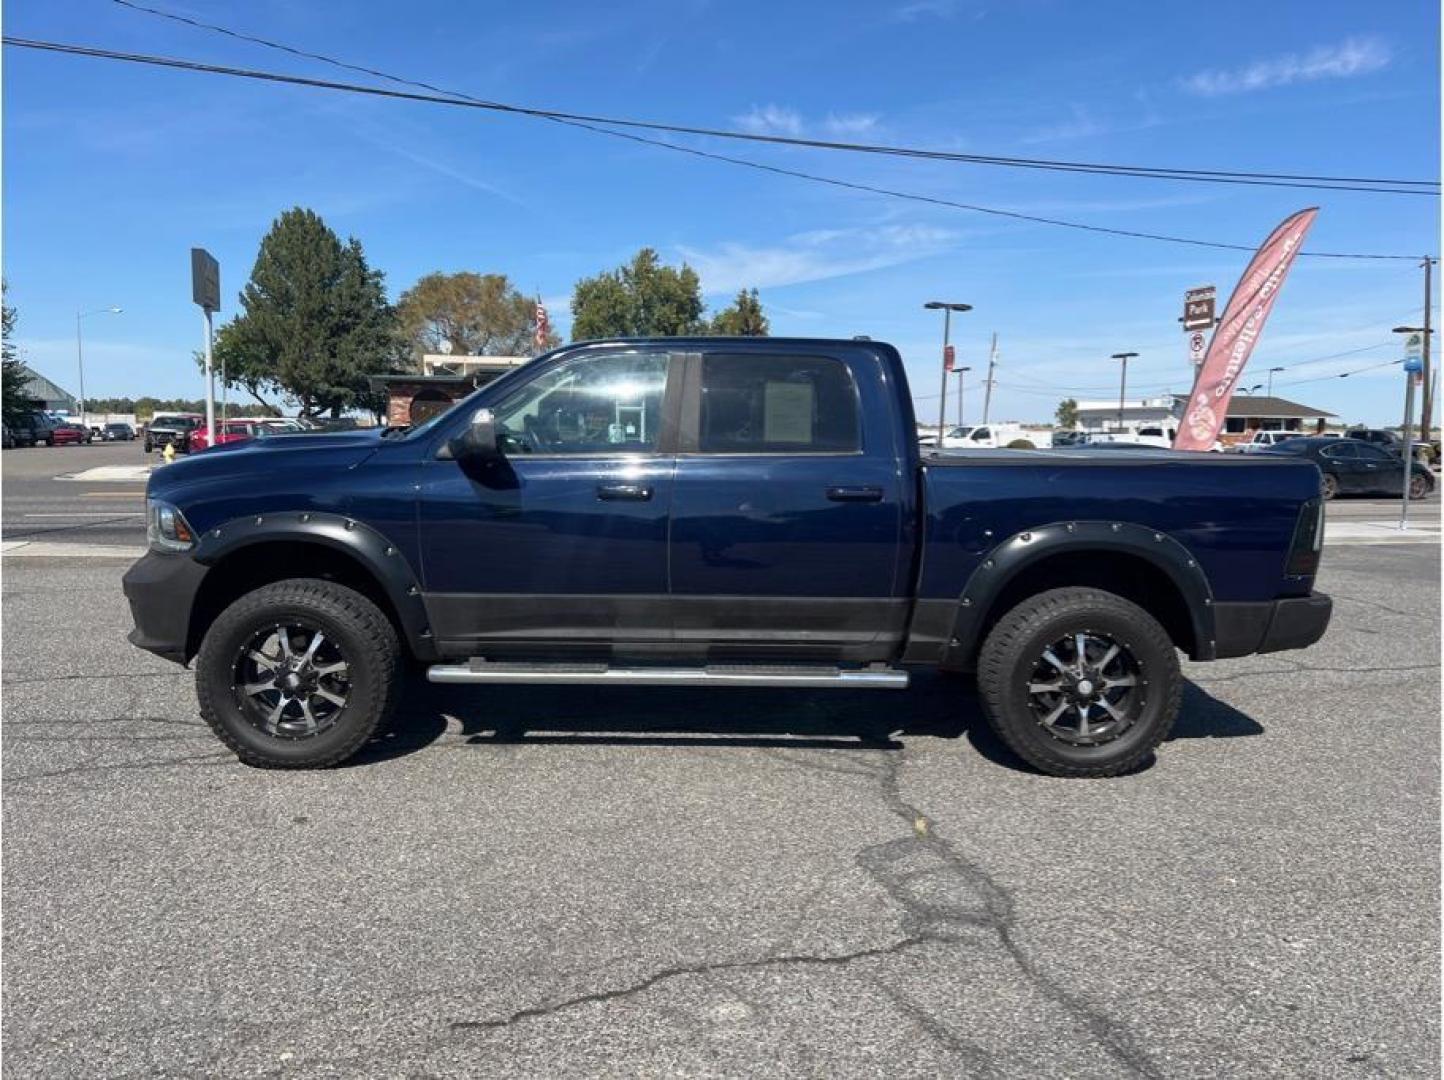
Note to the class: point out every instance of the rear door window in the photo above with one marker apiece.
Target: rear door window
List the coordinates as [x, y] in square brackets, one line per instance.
[770, 404]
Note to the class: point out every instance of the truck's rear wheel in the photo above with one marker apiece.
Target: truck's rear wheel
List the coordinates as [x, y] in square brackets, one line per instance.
[298, 674]
[1080, 682]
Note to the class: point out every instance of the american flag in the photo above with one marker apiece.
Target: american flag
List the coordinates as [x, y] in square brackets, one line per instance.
[543, 326]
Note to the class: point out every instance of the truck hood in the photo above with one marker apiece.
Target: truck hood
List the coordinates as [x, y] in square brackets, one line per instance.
[257, 461]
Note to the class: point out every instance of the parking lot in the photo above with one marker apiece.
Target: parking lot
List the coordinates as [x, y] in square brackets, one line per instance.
[553, 881]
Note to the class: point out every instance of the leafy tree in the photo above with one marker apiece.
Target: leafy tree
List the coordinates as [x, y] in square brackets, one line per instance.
[641, 298]
[315, 322]
[744, 318]
[469, 313]
[12, 372]
[1067, 413]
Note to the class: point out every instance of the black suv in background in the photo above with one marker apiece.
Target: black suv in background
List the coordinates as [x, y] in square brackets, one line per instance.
[33, 429]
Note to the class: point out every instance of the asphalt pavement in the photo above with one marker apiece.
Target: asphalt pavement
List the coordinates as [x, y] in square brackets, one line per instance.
[639, 882]
[42, 504]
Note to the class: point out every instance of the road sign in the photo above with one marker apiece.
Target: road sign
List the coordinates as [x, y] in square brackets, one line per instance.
[205, 280]
[1198, 306]
[949, 356]
[1197, 345]
[1413, 364]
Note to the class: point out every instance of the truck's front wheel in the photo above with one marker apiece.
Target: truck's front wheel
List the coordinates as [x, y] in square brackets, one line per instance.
[1080, 682]
[298, 674]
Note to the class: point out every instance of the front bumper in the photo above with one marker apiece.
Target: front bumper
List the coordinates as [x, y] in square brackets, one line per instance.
[161, 589]
[1242, 629]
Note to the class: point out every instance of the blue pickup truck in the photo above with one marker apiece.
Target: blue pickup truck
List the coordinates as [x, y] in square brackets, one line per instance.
[715, 512]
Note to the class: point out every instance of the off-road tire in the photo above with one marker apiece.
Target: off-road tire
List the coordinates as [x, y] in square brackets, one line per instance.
[366, 638]
[1013, 647]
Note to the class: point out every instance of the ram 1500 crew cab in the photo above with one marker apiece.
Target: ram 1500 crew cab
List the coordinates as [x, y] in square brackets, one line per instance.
[715, 512]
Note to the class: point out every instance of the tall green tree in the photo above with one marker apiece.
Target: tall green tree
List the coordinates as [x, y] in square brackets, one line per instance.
[1066, 413]
[743, 318]
[12, 372]
[315, 323]
[470, 313]
[641, 298]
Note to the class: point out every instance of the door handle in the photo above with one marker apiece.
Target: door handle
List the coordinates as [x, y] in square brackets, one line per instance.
[855, 494]
[621, 492]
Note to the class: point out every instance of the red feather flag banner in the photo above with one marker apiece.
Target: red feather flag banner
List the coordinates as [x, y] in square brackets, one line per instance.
[1238, 331]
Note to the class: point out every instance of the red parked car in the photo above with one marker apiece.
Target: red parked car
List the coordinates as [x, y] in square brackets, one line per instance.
[71, 435]
[230, 431]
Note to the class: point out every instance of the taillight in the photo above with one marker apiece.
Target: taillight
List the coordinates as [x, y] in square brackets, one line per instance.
[1308, 542]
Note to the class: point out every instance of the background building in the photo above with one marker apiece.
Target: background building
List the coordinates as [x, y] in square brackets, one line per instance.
[45, 394]
[444, 379]
[1246, 414]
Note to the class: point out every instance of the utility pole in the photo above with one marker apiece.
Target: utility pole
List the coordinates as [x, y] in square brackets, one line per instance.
[961, 373]
[947, 309]
[1124, 357]
[1426, 411]
[992, 363]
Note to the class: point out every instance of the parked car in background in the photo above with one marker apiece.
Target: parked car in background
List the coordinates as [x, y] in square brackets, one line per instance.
[226, 432]
[70, 435]
[1388, 440]
[1262, 440]
[33, 429]
[1355, 467]
[715, 512]
[1068, 437]
[118, 433]
[172, 429]
[97, 433]
[992, 436]
[7, 440]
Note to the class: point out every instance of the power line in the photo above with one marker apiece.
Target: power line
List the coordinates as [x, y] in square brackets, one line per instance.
[1328, 183]
[298, 80]
[1341, 374]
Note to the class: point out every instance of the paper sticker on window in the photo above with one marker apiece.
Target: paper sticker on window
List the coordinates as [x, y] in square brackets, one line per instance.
[787, 412]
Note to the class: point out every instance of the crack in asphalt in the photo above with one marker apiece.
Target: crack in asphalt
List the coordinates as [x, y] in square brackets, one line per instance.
[1383, 607]
[989, 909]
[215, 758]
[786, 960]
[98, 675]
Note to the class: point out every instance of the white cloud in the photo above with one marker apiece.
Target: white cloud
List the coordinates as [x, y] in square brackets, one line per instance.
[1353, 56]
[815, 256]
[919, 9]
[850, 123]
[770, 120]
[1080, 125]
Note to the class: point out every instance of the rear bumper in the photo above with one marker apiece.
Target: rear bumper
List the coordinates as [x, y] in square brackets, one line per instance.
[162, 590]
[1241, 629]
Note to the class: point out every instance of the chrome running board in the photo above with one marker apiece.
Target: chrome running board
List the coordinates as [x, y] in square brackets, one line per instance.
[481, 671]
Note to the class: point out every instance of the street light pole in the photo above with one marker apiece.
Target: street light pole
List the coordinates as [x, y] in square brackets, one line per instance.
[1123, 357]
[960, 373]
[947, 309]
[1271, 379]
[80, 351]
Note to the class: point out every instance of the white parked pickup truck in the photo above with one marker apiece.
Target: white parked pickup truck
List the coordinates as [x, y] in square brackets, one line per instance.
[993, 436]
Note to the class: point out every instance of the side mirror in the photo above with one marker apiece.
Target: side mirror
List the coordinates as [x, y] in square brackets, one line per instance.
[478, 443]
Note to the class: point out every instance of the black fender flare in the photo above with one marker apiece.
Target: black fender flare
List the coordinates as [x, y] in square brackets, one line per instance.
[378, 555]
[1025, 548]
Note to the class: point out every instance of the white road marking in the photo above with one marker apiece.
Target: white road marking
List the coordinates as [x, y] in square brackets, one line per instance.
[90, 513]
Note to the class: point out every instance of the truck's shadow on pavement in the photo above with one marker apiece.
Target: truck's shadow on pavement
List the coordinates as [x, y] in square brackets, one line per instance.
[934, 706]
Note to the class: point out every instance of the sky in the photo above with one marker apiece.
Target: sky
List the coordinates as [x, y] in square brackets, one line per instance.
[112, 172]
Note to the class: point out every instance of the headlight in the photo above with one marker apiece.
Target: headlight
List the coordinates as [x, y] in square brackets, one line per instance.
[165, 527]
